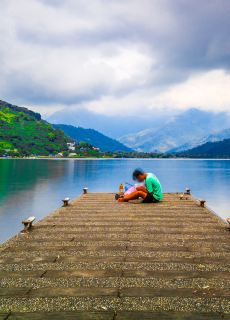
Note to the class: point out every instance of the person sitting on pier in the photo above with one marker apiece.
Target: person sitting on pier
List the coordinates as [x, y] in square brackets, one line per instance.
[151, 192]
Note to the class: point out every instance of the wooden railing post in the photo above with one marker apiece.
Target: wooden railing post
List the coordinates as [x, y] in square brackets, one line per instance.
[28, 223]
[85, 190]
[65, 202]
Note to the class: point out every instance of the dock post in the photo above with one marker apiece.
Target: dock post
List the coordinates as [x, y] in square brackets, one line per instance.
[28, 223]
[85, 190]
[202, 203]
[228, 221]
[65, 202]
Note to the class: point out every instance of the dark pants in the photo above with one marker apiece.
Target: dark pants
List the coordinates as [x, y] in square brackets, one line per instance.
[150, 199]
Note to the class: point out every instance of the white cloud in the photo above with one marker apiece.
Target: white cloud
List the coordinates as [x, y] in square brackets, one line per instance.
[116, 56]
[80, 71]
[209, 91]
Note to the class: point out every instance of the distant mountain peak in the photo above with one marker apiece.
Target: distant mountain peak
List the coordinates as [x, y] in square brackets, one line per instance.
[182, 130]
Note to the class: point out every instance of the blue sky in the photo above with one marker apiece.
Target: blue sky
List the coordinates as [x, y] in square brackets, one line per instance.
[117, 56]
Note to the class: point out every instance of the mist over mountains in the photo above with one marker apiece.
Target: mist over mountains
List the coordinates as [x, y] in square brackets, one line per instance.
[112, 126]
[168, 132]
[189, 129]
[214, 137]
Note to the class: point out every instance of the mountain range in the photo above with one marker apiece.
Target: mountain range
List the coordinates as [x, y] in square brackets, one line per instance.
[24, 132]
[111, 126]
[181, 132]
[92, 137]
[168, 132]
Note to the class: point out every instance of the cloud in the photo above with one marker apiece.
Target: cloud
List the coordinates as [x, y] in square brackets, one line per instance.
[209, 91]
[116, 56]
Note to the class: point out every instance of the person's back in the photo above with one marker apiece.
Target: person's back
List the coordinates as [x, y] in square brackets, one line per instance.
[153, 186]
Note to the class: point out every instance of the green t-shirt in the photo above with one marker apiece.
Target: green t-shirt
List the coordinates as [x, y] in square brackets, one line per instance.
[153, 186]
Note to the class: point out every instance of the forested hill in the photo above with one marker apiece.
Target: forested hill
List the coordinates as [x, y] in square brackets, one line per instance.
[92, 137]
[220, 149]
[23, 132]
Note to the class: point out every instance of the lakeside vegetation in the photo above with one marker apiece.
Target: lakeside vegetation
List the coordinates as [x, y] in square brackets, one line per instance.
[24, 133]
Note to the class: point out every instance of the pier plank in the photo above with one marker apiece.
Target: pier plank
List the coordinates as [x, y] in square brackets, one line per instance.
[99, 259]
[62, 316]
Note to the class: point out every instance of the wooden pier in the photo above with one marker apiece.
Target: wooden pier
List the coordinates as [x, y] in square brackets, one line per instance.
[102, 260]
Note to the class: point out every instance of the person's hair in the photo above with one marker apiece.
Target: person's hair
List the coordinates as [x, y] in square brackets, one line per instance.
[137, 172]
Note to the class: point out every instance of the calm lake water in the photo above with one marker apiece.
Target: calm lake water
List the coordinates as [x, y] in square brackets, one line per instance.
[36, 187]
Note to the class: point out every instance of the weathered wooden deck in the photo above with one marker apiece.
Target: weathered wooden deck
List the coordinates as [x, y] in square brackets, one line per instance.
[97, 259]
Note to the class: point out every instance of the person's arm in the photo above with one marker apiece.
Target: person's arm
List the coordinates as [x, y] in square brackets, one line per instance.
[141, 188]
[149, 186]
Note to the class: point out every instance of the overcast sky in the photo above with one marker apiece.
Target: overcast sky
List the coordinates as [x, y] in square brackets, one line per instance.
[114, 55]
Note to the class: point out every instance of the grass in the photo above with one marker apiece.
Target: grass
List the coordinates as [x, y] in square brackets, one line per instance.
[27, 134]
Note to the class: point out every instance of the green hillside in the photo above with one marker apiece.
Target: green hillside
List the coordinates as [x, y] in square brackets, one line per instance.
[219, 149]
[93, 137]
[23, 132]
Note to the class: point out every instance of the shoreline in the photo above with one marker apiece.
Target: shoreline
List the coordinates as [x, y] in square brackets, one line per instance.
[108, 158]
